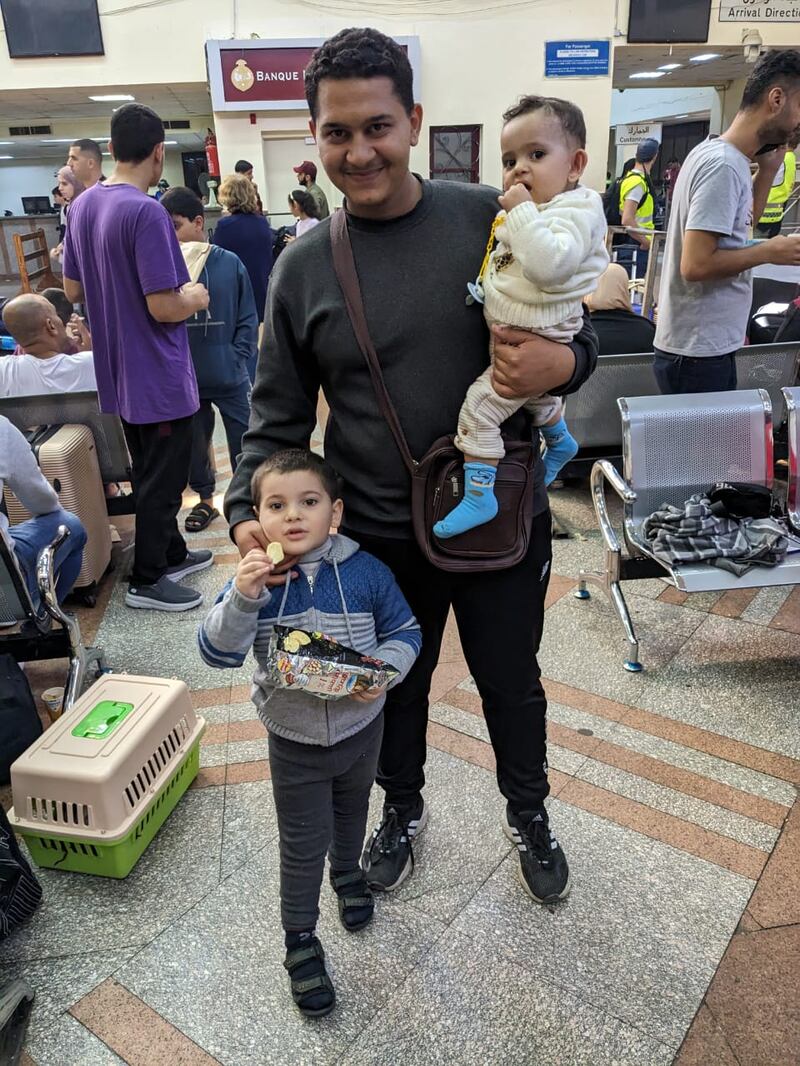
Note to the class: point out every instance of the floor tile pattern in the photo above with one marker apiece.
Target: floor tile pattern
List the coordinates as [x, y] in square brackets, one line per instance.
[672, 792]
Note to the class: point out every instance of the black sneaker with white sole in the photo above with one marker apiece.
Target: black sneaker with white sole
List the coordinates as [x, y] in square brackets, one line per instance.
[164, 595]
[543, 869]
[194, 561]
[388, 858]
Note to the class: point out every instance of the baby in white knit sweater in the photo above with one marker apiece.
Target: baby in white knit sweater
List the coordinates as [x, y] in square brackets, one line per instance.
[549, 255]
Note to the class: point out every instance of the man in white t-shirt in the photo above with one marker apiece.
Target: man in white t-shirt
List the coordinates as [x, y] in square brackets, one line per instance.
[706, 289]
[46, 365]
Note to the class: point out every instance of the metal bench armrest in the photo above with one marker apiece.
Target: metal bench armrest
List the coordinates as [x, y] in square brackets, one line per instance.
[46, 580]
[603, 471]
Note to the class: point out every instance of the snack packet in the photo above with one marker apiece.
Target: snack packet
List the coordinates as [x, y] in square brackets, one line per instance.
[322, 667]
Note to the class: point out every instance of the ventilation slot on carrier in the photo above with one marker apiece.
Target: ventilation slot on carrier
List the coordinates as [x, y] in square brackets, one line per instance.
[66, 846]
[158, 762]
[60, 812]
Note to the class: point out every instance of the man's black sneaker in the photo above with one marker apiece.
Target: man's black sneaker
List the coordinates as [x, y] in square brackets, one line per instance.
[388, 858]
[194, 561]
[165, 595]
[543, 869]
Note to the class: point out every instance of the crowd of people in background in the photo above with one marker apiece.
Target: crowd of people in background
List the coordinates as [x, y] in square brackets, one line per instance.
[169, 333]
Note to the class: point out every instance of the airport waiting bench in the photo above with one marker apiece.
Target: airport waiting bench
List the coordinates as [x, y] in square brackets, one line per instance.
[81, 409]
[673, 447]
[48, 632]
[592, 416]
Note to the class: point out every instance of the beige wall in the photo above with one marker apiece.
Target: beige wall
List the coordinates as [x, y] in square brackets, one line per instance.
[472, 69]
[473, 65]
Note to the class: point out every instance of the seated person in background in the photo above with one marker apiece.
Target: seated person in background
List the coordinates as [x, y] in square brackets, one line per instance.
[50, 362]
[19, 470]
[619, 329]
[223, 342]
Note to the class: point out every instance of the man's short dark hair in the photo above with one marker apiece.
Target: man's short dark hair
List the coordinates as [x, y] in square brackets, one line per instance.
[243, 167]
[90, 147]
[773, 68]
[360, 53]
[58, 298]
[290, 461]
[135, 132]
[182, 201]
[569, 116]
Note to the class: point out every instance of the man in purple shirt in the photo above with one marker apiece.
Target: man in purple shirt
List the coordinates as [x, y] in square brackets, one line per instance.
[122, 259]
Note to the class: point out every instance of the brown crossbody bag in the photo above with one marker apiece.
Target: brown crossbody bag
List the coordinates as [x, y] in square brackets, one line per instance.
[437, 479]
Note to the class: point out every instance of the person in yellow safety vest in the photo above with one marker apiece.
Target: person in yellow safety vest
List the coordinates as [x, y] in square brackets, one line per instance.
[637, 206]
[769, 225]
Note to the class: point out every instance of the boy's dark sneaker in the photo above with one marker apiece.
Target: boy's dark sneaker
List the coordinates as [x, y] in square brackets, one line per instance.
[194, 561]
[388, 858]
[543, 869]
[164, 595]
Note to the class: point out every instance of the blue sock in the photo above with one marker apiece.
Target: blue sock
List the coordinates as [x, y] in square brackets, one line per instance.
[478, 506]
[559, 447]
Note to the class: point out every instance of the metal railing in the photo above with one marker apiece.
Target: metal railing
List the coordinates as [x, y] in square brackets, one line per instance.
[646, 287]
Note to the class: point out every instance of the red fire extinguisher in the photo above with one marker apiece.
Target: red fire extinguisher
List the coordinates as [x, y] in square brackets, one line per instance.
[212, 158]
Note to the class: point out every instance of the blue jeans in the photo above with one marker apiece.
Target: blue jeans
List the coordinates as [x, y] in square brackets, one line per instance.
[690, 373]
[29, 538]
[234, 406]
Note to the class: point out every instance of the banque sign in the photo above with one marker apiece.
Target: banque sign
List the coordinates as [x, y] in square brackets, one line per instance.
[267, 75]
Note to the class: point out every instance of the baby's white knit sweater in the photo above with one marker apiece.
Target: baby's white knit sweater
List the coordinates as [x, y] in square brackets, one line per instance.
[548, 257]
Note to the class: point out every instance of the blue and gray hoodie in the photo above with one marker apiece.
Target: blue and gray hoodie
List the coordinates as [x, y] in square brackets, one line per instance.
[342, 592]
[224, 338]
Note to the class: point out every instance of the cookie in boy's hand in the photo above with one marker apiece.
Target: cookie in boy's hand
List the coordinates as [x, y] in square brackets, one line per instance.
[275, 552]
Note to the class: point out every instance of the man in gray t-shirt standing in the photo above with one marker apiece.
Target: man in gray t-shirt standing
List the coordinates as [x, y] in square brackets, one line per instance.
[705, 285]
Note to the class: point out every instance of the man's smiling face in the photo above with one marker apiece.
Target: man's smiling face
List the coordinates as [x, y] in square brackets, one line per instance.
[365, 136]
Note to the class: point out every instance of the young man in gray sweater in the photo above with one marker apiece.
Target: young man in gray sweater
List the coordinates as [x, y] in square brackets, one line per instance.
[416, 244]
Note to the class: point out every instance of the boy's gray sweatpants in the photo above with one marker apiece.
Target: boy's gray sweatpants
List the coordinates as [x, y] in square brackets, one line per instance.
[322, 798]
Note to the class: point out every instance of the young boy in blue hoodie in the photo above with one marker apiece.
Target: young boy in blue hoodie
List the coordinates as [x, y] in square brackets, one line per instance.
[323, 754]
[223, 341]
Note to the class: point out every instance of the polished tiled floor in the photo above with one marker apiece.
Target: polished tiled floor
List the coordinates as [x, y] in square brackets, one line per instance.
[673, 795]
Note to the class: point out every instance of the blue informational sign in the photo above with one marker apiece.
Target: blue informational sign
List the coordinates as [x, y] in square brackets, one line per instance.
[576, 59]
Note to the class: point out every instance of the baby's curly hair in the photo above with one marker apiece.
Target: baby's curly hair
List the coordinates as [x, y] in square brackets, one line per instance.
[569, 115]
[360, 53]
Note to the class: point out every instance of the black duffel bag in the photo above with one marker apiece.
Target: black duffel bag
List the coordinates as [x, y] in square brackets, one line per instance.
[20, 724]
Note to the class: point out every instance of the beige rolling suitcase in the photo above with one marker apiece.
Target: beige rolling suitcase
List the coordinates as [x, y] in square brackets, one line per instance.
[92, 792]
[68, 459]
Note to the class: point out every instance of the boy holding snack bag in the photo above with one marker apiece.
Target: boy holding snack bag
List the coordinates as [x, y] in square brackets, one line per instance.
[323, 743]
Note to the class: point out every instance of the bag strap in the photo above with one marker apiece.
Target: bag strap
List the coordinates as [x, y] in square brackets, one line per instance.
[345, 267]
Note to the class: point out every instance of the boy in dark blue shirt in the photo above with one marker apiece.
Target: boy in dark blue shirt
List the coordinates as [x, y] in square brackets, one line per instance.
[223, 339]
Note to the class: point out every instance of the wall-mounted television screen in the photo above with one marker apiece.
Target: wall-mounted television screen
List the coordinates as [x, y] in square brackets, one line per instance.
[36, 205]
[672, 22]
[52, 28]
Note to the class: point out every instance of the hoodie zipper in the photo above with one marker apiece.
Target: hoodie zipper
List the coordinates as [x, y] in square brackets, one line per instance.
[310, 578]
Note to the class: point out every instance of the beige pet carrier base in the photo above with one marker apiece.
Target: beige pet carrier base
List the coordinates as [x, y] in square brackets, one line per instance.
[94, 790]
[68, 459]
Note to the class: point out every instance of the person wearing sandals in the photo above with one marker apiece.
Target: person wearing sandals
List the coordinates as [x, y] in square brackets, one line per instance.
[323, 754]
[223, 339]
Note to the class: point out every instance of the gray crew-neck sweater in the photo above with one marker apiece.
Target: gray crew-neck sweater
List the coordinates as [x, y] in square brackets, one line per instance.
[413, 272]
